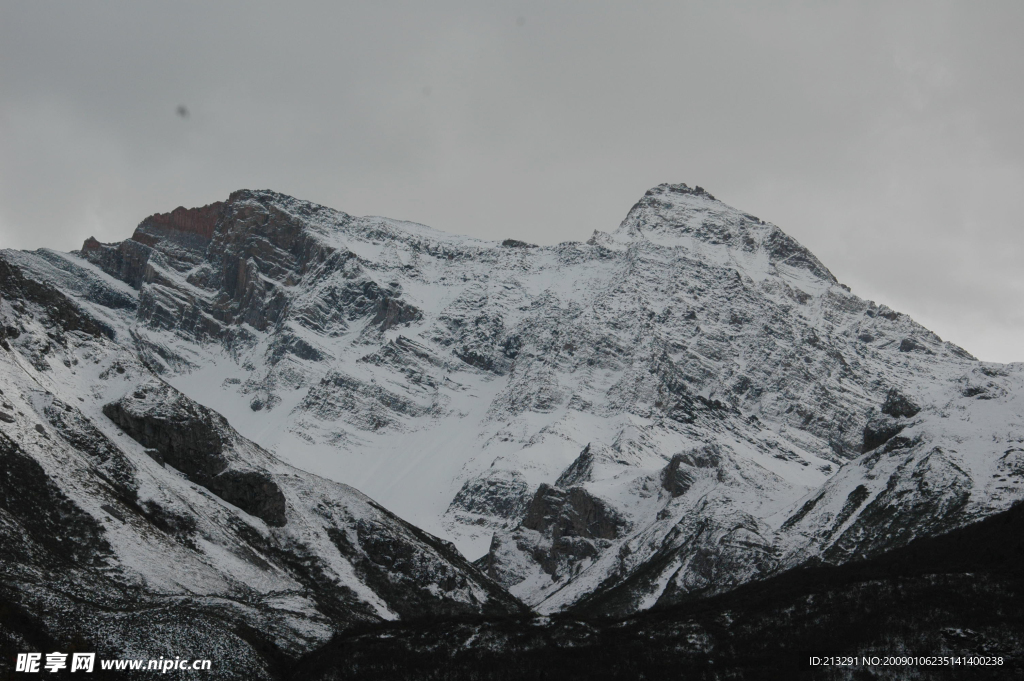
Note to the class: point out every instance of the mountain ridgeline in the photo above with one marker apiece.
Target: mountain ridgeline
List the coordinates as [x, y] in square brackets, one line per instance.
[662, 414]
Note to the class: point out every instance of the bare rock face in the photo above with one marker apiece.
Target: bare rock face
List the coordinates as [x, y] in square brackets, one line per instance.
[202, 270]
[880, 430]
[55, 309]
[899, 405]
[180, 236]
[181, 223]
[255, 492]
[502, 495]
[392, 312]
[883, 428]
[580, 470]
[126, 261]
[571, 512]
[560, 529]
[677, 478]
[192, 439]
[184, 433]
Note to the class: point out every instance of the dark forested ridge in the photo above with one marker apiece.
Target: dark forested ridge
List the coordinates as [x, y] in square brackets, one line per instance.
[957, 594]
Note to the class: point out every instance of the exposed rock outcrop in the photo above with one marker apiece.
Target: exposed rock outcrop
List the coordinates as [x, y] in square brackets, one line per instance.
[187, 224]
[899, 405]
[192, 439]
[572, 512]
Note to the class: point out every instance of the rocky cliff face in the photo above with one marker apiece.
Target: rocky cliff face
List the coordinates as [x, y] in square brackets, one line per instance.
[683, 405]
[187, 436]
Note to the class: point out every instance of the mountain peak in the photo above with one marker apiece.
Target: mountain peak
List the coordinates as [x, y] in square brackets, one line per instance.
[195, 227]
[680, 188]
[676, 215]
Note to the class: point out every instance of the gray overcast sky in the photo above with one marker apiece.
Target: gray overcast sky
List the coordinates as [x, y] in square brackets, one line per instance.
[886, 137]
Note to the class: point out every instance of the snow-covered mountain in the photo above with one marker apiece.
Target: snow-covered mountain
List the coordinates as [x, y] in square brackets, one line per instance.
[136, 522]
[682, 405]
